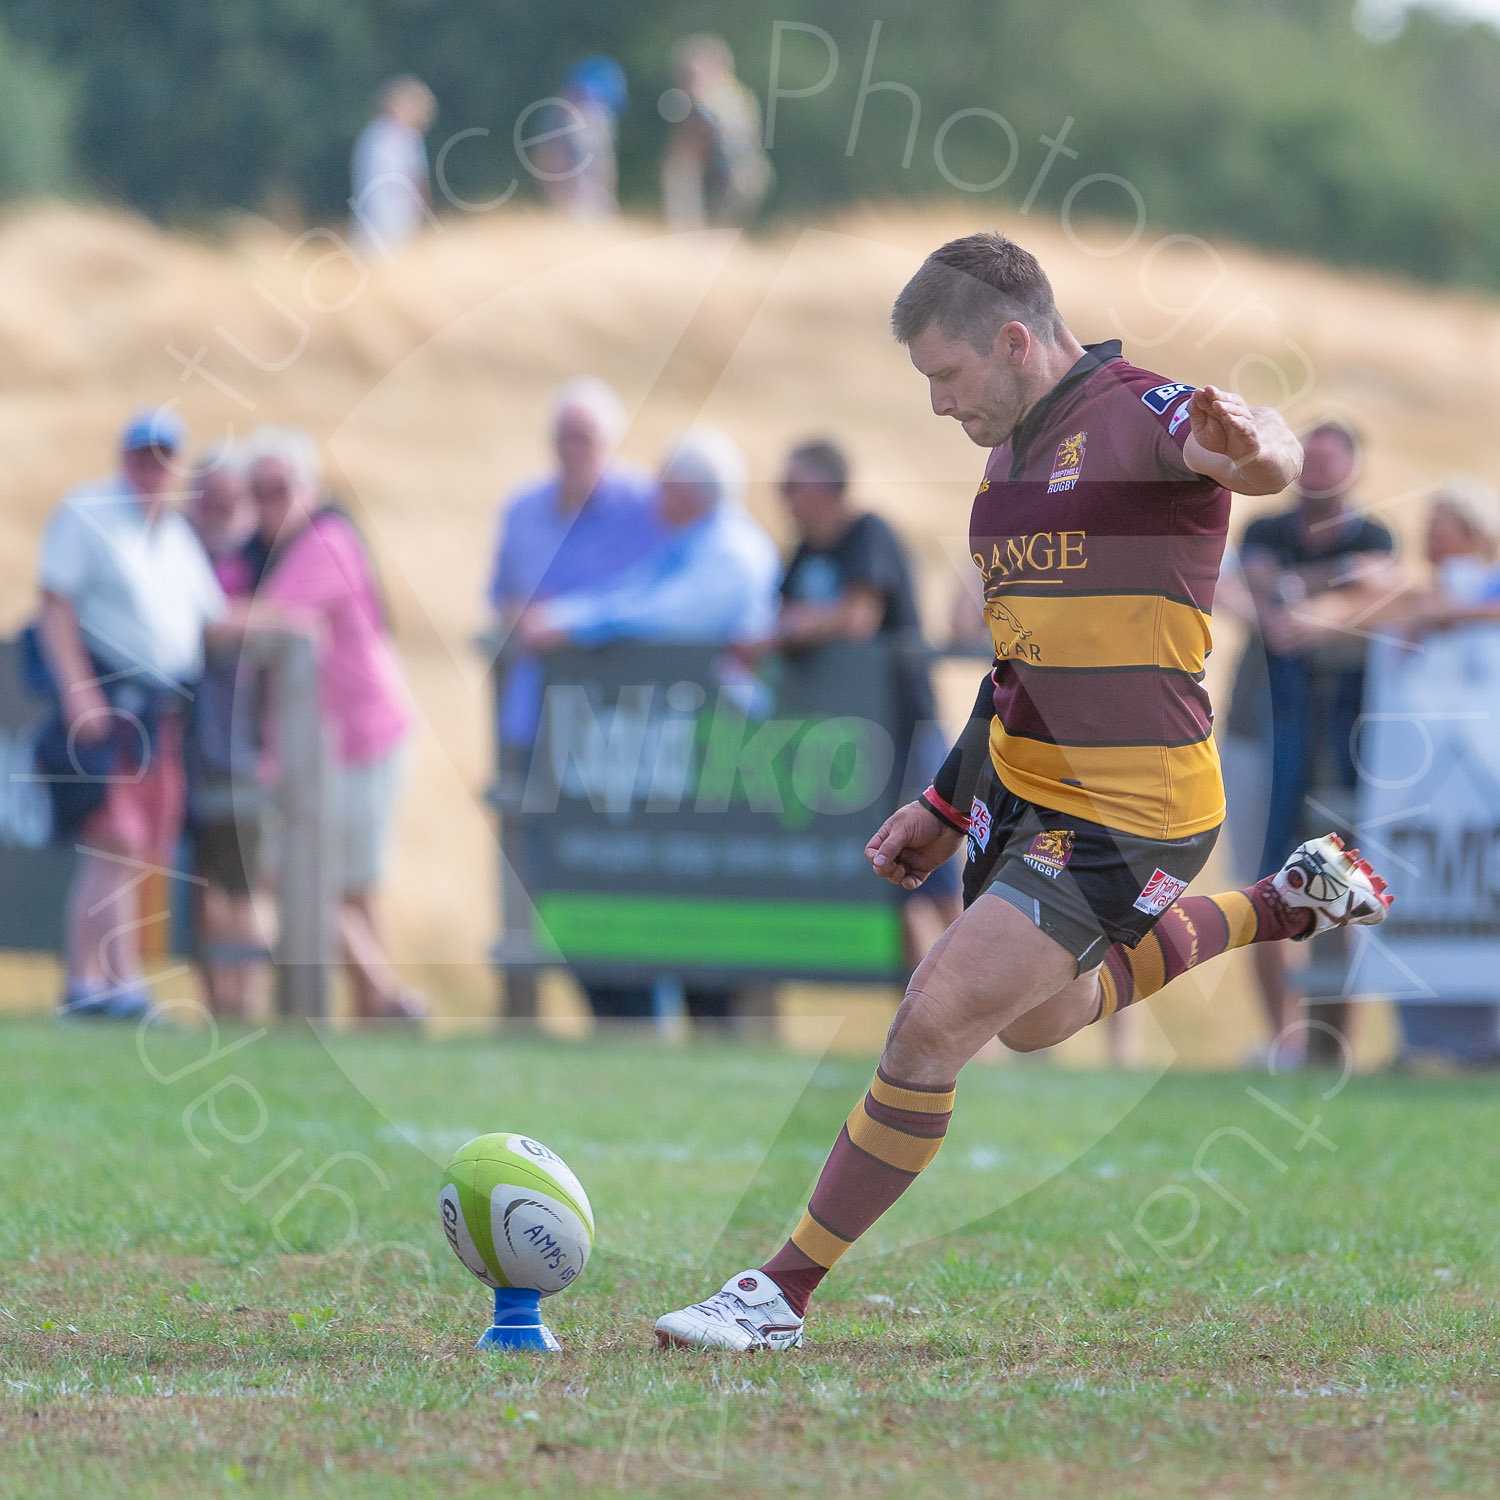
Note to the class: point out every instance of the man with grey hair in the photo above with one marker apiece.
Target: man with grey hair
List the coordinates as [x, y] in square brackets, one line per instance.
[579, 527]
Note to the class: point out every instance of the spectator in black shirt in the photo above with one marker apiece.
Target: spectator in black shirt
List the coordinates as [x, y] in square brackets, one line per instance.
[849, 580]
[1314, 681]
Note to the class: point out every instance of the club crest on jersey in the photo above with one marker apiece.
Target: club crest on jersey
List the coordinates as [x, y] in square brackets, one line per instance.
[1160, 397]
[1178, 418]
[1068, 464]
[1050, 852]
[979, 828]
[1159, 893]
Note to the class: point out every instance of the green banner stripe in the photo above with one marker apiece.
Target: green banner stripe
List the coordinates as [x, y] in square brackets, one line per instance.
[682, 929]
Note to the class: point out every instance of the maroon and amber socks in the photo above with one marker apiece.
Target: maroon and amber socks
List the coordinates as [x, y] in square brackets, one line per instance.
[893, 1132]
[1192, 930]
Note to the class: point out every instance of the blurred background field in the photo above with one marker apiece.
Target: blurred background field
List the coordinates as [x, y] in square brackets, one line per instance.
[429, 382]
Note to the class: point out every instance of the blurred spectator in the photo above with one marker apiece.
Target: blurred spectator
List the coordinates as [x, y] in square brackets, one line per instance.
[392, 195]
[1313, 687]
[715, 170]
[849, 580]
[581, 525]
[1462, 543]
[577, 167]
[127, 594]
[1463, 540]
[308, 559]
[712, 580]
[221, 756]
[578, 528]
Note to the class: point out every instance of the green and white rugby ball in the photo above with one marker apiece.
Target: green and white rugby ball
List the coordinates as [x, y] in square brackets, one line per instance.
[515, 1215]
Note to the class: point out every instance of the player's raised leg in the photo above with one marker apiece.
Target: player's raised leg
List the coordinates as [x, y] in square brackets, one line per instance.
[1320, 885]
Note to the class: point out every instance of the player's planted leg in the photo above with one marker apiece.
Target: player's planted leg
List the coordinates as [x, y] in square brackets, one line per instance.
[958, 999]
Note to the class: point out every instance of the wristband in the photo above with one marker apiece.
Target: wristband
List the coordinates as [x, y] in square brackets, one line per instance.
[944, 812]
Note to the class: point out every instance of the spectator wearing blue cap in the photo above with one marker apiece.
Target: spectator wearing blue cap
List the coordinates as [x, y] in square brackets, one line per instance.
[127, 595]
[577, 167]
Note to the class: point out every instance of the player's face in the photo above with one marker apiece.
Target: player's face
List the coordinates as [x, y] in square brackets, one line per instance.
[981, 392]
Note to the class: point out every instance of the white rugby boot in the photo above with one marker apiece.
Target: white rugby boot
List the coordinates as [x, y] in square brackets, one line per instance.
[749, 1313]
[1333, 883]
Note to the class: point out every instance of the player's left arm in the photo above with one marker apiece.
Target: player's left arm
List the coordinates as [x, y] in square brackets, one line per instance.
[1247, 449]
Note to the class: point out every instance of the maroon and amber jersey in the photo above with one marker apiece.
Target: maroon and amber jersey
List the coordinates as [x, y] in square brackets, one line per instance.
[1099, 549]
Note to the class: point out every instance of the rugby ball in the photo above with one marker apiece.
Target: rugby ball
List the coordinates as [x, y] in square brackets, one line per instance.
[515, 1215]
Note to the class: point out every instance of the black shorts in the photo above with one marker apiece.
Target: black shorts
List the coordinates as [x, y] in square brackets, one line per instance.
[227, 854]
[1085, 885]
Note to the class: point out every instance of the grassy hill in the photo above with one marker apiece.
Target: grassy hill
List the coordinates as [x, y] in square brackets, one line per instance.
[428, 382]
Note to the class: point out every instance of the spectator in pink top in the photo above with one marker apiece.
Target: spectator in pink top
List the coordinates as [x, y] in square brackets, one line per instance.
[307, 557]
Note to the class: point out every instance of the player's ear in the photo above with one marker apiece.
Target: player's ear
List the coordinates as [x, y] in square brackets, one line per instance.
[1013, 343]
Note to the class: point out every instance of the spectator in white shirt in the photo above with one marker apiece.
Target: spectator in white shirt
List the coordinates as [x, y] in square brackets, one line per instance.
[392, 195]
[127, 594]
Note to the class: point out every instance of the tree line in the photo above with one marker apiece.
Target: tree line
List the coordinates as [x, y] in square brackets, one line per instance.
[1278, 122]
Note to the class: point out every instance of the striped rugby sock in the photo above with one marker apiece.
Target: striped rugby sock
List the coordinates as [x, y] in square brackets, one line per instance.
[892, 1133]
[1191, 931]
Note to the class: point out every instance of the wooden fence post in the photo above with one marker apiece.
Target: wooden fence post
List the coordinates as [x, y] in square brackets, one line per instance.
[305, 887]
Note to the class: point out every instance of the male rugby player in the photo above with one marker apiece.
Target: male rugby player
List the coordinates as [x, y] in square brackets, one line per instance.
[1086, 781]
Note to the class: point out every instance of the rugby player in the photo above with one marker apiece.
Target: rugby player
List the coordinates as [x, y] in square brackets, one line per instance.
[1086, 781]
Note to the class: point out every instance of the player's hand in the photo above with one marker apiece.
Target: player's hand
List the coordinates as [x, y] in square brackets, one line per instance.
[910, 845]
[1249, 450]
[1222, 422]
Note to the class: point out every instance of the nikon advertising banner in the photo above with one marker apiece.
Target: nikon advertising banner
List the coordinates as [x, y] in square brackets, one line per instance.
[1429, 761]
[683, 814]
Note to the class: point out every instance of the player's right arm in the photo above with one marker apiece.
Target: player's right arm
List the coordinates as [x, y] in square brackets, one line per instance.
[921, 836]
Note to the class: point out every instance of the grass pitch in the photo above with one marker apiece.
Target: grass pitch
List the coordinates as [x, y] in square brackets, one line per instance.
[221, 1273]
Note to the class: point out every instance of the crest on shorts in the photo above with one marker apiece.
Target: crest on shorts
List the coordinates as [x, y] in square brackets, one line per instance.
[1050, 851]
[1159, 893]
[1068, 464]
[979, 828]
